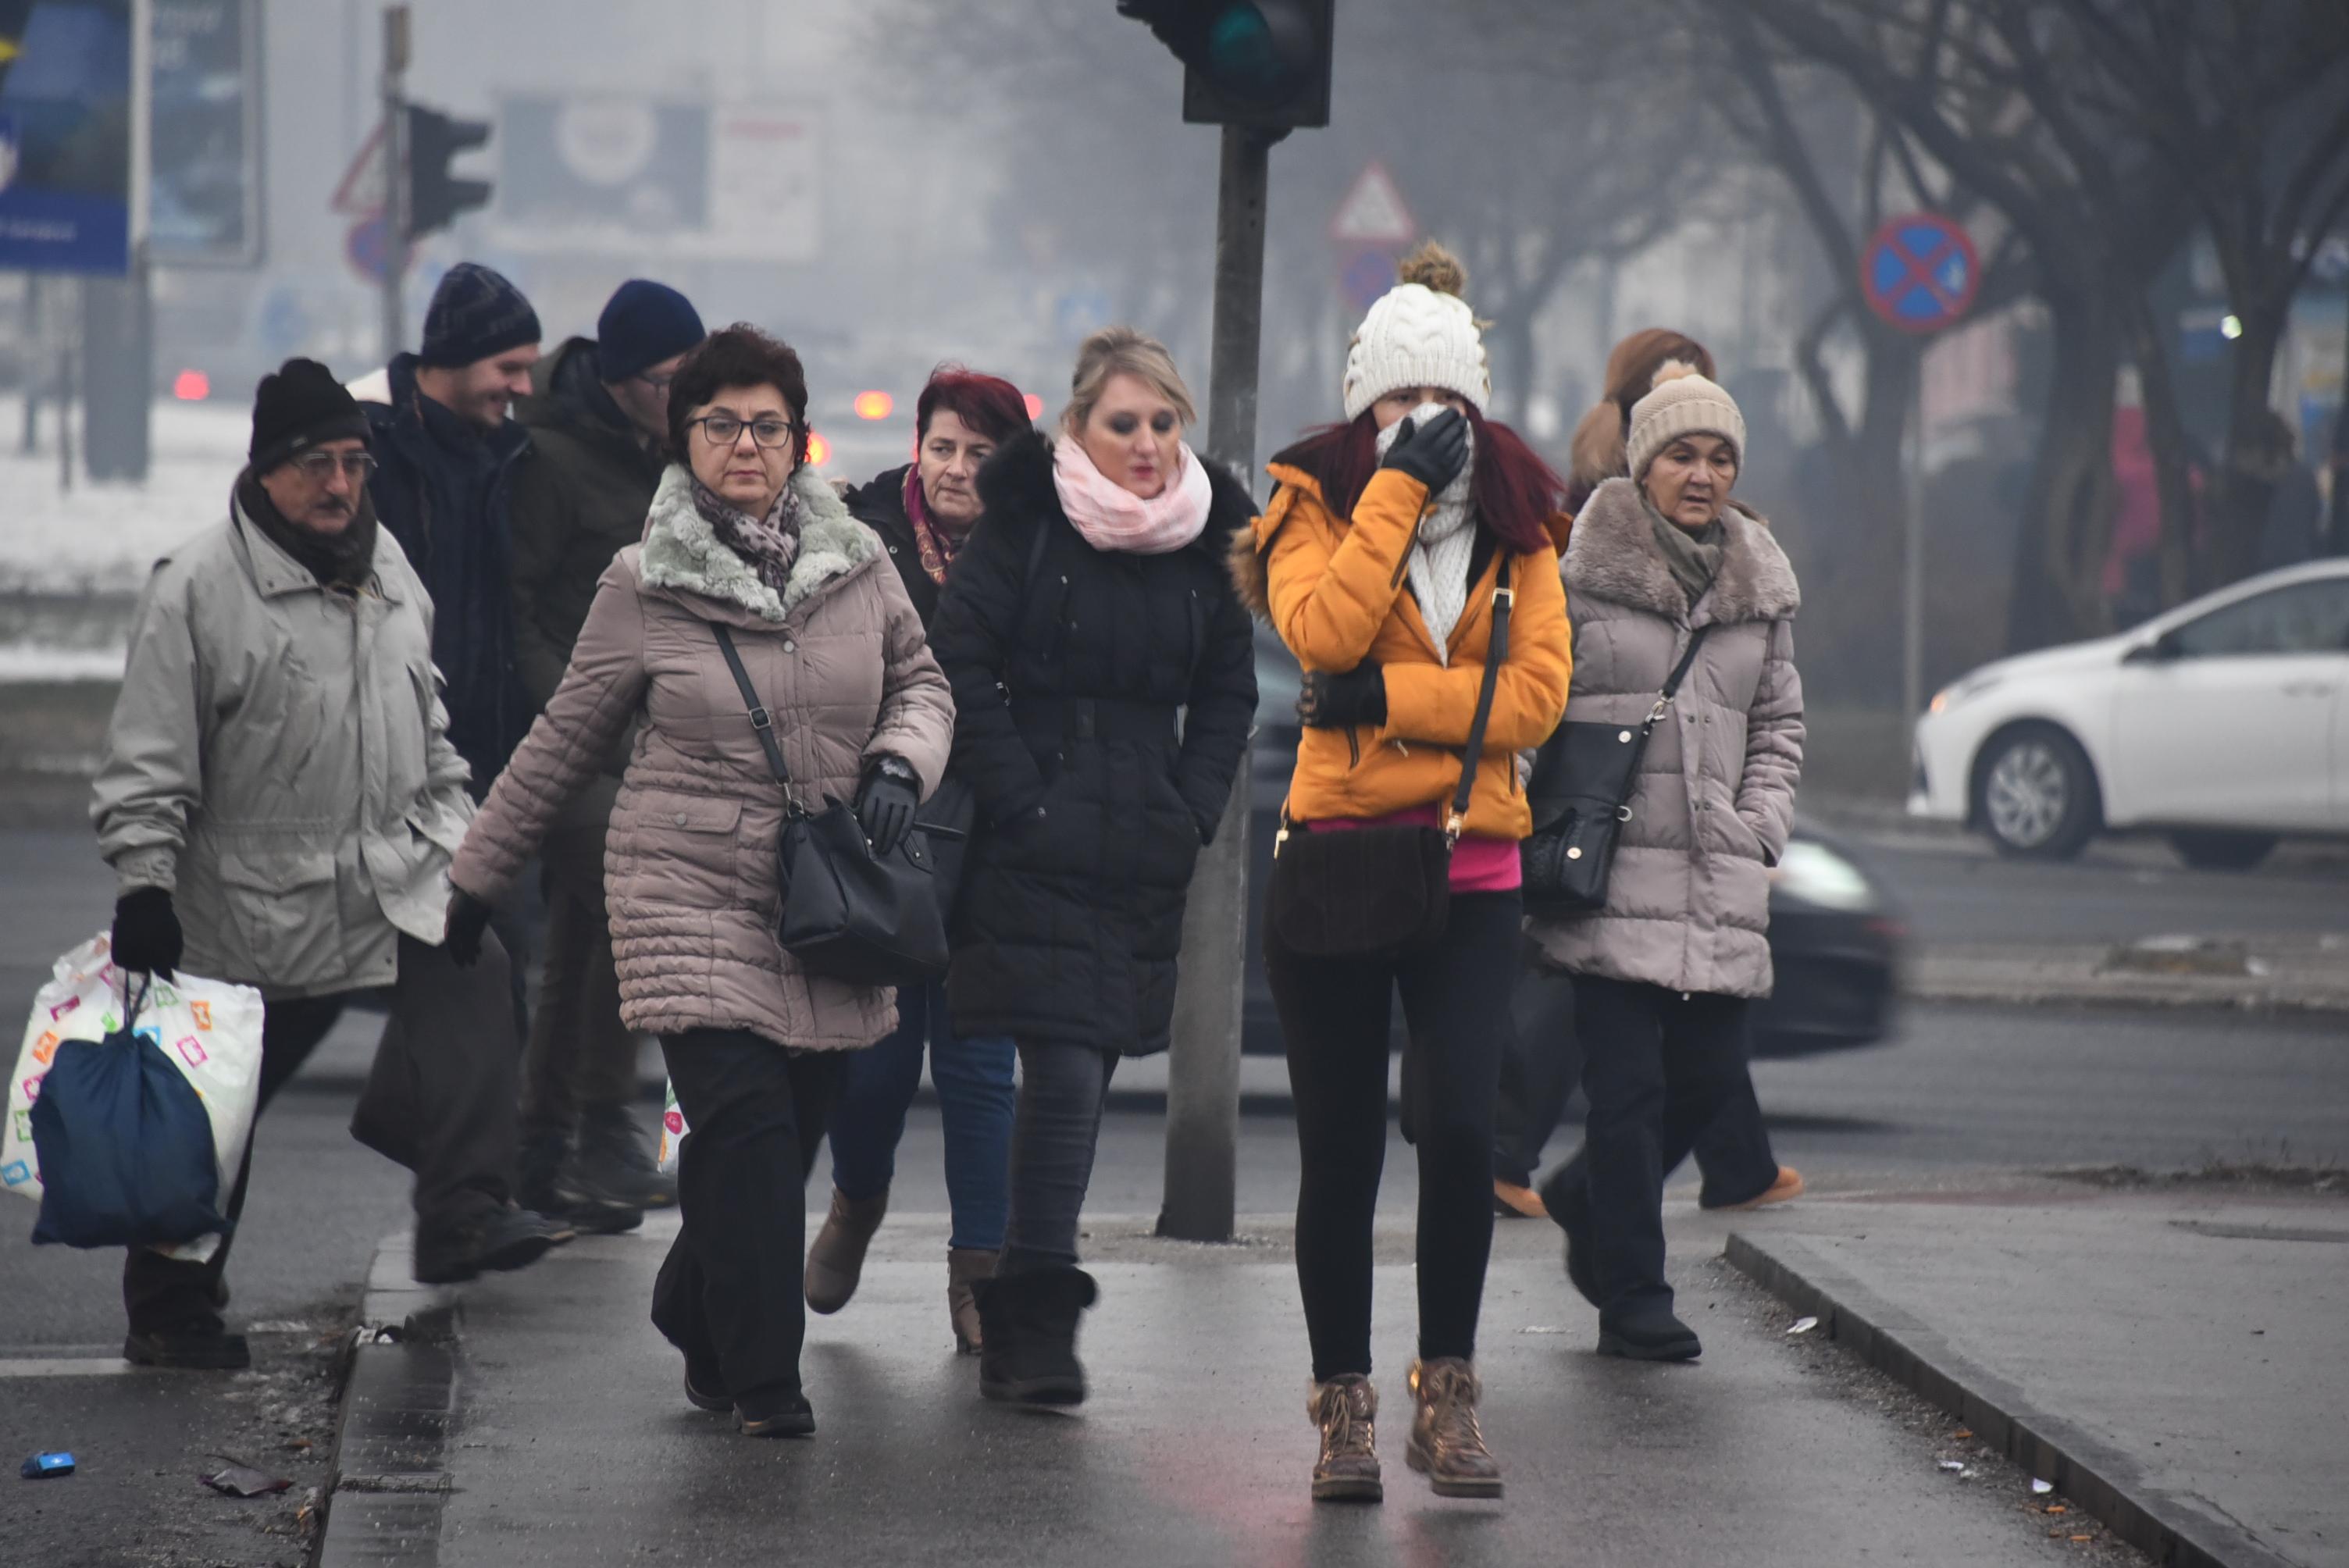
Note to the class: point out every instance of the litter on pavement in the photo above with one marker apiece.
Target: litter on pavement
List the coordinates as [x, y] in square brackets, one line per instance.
[240, 1479]
[2040, 1487]
[43, 1467]
[1804, 1326]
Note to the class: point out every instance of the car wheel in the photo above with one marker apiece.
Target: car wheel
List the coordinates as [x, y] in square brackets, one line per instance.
[2035, 794]
[2214, 850]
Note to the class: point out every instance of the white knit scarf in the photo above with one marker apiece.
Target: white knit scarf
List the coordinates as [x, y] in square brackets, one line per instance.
[1447, 540]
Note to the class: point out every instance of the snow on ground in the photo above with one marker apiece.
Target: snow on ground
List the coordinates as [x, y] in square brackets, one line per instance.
[104, 538]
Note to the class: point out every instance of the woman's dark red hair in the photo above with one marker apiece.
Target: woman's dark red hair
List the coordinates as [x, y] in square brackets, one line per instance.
[1514, 492]
[987, 404]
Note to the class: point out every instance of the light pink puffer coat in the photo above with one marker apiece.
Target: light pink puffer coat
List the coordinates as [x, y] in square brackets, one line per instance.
[838, 658]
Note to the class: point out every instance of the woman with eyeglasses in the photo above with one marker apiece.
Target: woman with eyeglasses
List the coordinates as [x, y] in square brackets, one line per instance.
[742, 537]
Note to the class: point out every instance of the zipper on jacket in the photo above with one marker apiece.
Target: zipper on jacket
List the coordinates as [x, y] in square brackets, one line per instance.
[1353, 748]
[1402, 561]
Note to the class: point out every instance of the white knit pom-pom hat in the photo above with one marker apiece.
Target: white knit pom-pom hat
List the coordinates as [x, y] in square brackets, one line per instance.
[1419, 333]
[1682, 403]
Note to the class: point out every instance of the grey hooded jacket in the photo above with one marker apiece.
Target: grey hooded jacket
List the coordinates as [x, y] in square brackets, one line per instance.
[1688, 901]
[279, 759]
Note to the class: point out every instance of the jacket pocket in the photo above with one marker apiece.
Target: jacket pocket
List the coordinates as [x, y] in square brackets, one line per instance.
[691, 851]
[283, 904]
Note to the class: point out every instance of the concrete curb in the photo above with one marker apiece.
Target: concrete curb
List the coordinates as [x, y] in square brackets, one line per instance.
[1930, 980]
[390, 1481]
[2178, 1530]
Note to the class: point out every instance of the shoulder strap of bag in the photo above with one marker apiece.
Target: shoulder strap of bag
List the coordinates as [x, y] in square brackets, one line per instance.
[1496, 651]
[1680, 672]
[761, 720]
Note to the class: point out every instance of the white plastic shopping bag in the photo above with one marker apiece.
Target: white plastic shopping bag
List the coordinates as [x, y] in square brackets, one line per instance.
[672, 1129]
[208, 1029]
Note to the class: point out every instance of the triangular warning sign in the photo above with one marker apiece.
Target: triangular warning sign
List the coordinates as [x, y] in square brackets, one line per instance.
[360, 193]
[1373, 212]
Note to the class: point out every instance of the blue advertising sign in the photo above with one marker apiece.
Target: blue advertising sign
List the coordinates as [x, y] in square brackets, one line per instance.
[204, 142]
[65, 137]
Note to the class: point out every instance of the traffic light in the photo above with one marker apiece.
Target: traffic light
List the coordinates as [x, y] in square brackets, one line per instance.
[436, 196]
[1260, 63]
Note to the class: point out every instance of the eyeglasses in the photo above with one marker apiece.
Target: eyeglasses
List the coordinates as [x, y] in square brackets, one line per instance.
[320, 467]
[657, 383]
[724, 430]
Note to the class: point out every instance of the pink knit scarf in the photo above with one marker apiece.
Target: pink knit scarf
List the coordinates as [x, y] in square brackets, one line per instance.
[1112, 517]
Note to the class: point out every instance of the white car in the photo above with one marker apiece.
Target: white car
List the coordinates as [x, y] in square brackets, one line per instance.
[2223, 723]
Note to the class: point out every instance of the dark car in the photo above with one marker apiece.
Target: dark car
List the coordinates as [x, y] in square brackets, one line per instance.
[1834, 934]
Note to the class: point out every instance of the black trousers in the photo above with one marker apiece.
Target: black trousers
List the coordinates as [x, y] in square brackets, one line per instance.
[730, 1293]
[440, 1099]
[1334, 1017]
[1659, 1068]
[576, 1053]
[1063, 1087]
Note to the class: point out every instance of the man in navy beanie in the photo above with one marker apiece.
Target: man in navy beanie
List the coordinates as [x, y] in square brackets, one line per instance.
[598, 424]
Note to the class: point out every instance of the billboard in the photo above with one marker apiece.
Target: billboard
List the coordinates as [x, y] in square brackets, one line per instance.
[66, 134]
[205, 188]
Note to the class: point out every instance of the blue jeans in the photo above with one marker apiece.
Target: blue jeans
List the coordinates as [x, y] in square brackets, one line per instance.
[975, 1102]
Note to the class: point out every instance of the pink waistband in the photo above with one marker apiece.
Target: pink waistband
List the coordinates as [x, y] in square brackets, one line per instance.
[1478, 864]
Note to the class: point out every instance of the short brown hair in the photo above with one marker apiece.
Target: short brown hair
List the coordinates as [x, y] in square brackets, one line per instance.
[740, 355]
[1123, 351]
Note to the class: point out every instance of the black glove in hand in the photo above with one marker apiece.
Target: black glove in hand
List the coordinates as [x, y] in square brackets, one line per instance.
[885, 804]
[146, 937]
[1434, 453]
[467, 918]
[1341, 701]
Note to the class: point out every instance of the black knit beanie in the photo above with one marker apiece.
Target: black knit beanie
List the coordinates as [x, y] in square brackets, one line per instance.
[475, 313]
[296, 407]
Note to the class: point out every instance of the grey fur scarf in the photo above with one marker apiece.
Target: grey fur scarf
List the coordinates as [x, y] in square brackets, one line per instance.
[1613, 555]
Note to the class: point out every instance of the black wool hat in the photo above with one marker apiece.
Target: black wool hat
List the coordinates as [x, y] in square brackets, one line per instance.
[297, 405]
[475, 313]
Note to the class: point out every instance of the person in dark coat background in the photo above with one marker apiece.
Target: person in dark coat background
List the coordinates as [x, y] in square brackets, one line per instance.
[598, 428]
[1090, 607]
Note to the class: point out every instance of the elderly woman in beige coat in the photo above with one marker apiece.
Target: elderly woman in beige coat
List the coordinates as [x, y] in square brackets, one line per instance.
[1665, 974]
[743, 536]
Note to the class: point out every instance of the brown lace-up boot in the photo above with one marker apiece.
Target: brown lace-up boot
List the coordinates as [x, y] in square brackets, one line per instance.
[1346, 1408]
[837, 1262]
[1446, 1445]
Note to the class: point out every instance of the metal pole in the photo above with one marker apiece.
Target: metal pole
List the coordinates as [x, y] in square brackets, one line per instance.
[65, 408]
[1912, 619]
[32, 333]
[395, 177]
[1203, 1077]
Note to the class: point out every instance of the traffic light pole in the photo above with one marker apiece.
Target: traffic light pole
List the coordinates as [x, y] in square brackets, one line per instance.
[395, 177]
[1203, 1079]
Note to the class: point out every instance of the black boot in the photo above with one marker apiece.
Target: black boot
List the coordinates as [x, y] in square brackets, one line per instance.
[1643, 1328]
[1567, 1196]
[545, 1146]
[1027, 1345]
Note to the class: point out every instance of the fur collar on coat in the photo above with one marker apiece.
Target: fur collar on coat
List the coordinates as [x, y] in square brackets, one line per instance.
[1613, 556]
[681, 550]
[1017, 482]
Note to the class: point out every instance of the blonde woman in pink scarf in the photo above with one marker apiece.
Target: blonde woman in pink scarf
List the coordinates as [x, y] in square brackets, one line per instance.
[1104, 681]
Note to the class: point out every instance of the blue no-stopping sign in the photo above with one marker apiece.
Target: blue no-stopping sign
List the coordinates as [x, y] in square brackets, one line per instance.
[1920, 271]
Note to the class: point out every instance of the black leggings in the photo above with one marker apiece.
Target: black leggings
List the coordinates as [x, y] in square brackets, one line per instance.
[1334, 1016]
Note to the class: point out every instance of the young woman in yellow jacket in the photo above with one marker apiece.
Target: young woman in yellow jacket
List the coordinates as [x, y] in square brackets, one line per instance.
[1379, 562]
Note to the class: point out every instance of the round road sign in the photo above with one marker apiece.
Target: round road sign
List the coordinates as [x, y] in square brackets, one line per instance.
[1920, 271]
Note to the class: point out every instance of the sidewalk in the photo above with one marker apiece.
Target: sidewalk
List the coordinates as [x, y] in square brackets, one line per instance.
[2305, 972]
[562, 1438]
[2177, 1361]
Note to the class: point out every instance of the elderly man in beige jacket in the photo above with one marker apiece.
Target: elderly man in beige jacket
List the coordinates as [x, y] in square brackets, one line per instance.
[280, 803]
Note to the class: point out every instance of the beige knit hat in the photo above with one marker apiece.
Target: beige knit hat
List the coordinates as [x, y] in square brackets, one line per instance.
[1683, 404]
[1419, 333]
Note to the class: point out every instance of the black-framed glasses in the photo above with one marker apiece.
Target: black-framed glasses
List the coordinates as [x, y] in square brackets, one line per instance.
[320, 467]
[724, 430]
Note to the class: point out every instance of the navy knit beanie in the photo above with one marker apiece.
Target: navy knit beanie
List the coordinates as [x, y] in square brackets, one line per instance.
[643, 324]
[475, 314]
[296, 407]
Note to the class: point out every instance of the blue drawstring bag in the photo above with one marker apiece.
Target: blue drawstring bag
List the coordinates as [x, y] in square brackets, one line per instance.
[126, 1150]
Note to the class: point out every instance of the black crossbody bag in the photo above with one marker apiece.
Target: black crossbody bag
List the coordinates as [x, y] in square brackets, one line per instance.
[1584, 778]
[1366, 890]
[845, 911]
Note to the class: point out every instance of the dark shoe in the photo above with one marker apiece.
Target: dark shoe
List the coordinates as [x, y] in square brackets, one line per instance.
[1644, 1329]
[1027, 1327]
[1446, 1444]
[1346, 1408]
[492, 1243]
[613, 1166]
[835, 1261]
[200, 1350]
[1568, 1203]
[783, 1415]
[966, 1266]
[698, 1382]
[543, 1147]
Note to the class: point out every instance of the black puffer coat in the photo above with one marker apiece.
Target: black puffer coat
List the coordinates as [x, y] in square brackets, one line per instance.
[1069, 668]
[881, 507]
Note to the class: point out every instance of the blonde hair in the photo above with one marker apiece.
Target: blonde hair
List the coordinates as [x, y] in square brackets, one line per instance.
[1123, 351]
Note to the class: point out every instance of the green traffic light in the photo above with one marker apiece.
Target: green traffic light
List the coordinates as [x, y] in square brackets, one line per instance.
[1244, 57]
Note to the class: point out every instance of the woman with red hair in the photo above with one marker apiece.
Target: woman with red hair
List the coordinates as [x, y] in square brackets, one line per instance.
[1406, 561]
[923, 511]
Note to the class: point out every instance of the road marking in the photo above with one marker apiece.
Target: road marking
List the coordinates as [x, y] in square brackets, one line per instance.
[65, 1366]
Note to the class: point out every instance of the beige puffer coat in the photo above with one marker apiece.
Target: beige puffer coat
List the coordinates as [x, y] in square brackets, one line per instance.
[689, 863]
[1688, 901]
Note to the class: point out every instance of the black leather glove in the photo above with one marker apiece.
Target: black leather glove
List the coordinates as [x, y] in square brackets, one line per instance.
[1434, 453]
[146, 937]
[467, 918]
[1341, 701]
[885, 802]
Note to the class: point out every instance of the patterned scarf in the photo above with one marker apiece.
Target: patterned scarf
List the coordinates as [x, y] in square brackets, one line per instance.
[933, 540]
[767, 545]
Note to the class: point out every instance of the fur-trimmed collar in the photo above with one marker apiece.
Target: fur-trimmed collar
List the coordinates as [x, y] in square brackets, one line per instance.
[1016, 483]
[682, 552]
[1613, 556]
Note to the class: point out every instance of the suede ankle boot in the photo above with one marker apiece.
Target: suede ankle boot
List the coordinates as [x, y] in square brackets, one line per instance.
[966, 1266]
[837, 1262]
[1028, 1328]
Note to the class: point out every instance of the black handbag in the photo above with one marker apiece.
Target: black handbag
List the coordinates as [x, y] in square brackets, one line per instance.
[1583, 781]
[843, 911]
[1363, 891]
